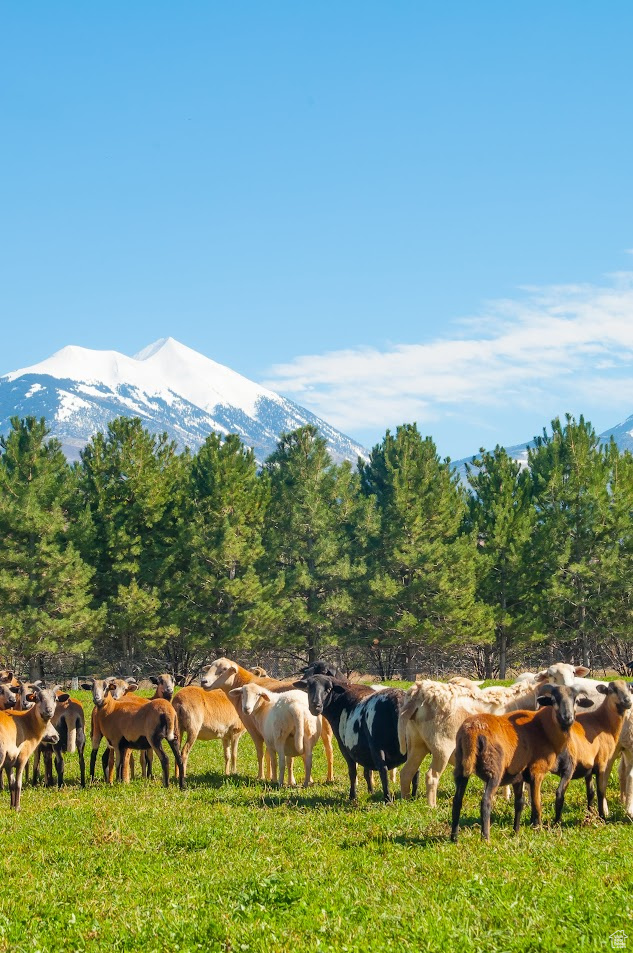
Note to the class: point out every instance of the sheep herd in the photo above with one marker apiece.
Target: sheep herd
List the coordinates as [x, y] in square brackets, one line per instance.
[556, 721]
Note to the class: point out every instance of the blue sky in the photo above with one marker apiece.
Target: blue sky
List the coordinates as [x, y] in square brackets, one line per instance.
[386, 211]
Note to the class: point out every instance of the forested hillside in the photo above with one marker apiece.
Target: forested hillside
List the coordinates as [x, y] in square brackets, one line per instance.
[139, 556]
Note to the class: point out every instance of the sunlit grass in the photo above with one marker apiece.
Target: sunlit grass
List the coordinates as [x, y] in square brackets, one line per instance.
[235, 865]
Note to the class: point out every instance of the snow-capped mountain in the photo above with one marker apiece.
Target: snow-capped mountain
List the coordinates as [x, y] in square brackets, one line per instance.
[169, 386]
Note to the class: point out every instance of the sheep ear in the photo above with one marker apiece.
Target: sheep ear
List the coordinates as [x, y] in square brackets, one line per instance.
[338, 689]
[603, 689]
[545, 700]
[87, 686]
[153, 680]
[63, 697]
[235, 692]
[264, 694]
[580, 671]
[132, 687]
[31, 697]
[585, 702]
[180, 680]
[541, 676]
[301, 683]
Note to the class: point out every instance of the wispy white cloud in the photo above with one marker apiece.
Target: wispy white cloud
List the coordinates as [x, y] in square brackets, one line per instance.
[557, 342]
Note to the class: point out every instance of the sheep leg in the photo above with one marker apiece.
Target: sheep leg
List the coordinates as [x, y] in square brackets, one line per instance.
[48, 767]
[106, 762]
[96, 741]
[282, 767]
[352, 770]
[59, 768]
[258, 741]
[82, 764]
[460, 790]
[438, 764]
[149, 765]
[235, 740]
[416, 753]
[561, 790]
[291, 773]
[226, 748]
[11, 778]
[175, 747]
[591, 791]
[164, 760]
[271, 757]
[369, 778]
[536, 780]
[625, 773]
[326, 735]
[185, 748]
[603, 780]
[307, 765]
[519, 804]
[415, 784]
[17, 790]
[486, 807]
[36, 767]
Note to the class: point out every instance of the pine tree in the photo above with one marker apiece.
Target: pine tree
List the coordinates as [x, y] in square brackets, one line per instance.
[501, 515]
[131, 492]
[220, 598]
[569, 473]
[45, 597]
[421, 582]
[307, 543]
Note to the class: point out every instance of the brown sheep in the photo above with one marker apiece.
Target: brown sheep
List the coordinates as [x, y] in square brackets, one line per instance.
[510, 749]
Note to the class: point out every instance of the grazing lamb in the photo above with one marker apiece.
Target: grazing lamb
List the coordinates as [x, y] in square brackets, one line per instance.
[20, 734]
[207, 715]
[511, 749]
[365, 724]
[591, 746]
[431, 714]
[286, 725]
[225, 674]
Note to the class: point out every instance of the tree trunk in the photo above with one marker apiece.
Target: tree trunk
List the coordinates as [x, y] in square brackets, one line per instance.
[503, 652]
[36, 668]
[408, 669]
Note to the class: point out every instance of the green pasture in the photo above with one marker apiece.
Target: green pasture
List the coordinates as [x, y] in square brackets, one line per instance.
[234, 865]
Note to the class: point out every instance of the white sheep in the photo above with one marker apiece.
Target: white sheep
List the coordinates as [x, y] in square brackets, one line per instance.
[286, 724]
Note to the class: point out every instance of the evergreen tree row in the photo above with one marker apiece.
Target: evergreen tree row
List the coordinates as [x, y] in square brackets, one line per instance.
[138, 555]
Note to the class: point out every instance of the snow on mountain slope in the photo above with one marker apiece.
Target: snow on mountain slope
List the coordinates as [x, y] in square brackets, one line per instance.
[169, 386]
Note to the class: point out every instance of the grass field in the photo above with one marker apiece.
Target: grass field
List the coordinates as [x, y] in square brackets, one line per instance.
[233, 865]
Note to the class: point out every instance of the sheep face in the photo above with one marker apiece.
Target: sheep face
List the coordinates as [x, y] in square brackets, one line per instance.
[251, 697]
[166, 684]
[45, 699]
[99, 688]
[50, 736]
[620, 694]
[220, 672]
[8, 695]
[564, 700]
[321, 689]
[563, 673]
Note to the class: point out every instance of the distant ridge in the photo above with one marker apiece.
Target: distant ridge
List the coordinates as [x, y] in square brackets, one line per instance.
[169, 386]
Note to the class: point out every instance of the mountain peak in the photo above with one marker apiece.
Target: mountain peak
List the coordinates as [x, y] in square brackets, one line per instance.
[161, 344]
[170, 386]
